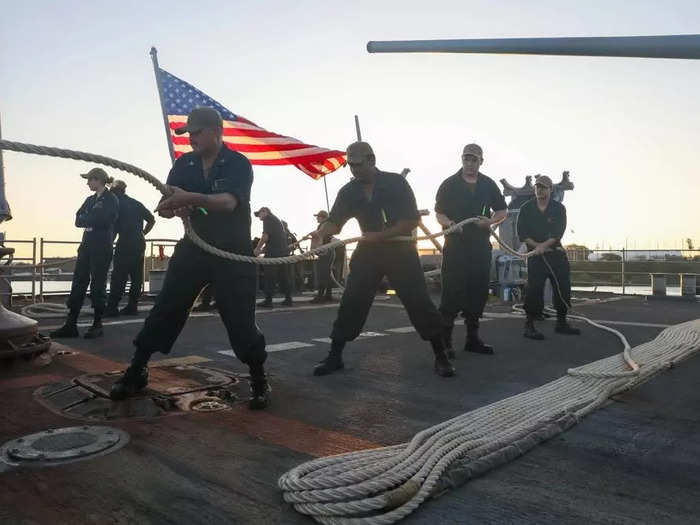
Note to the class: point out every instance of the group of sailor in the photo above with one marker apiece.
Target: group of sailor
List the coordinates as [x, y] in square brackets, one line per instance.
[211, 185]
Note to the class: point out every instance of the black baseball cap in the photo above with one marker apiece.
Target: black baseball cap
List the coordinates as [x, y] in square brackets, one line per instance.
[200, 118]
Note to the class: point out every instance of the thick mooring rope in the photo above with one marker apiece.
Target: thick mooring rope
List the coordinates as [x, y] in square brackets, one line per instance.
[382, 486]
[42, 311]
[189, 231]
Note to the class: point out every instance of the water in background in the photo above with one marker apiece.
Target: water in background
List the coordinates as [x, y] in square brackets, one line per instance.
[629, 290]
[58, 287]
[50, 287]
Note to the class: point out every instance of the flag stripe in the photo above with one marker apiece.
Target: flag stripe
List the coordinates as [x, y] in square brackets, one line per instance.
[261, 146]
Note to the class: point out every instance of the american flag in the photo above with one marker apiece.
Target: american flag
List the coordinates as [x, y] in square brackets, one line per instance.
[259, 145]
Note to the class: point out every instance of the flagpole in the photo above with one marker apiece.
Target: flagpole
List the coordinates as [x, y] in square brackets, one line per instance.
[5, 214]
[357, 128]
[154, 58]
[325, 187]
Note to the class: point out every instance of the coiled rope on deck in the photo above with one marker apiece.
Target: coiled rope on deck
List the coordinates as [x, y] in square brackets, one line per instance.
[382, 486]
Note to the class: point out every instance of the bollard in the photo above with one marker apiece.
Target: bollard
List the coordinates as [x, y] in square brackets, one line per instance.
[688, 285]
[658, 284]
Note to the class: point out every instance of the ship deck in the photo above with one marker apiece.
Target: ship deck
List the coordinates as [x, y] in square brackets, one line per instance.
[636, 460]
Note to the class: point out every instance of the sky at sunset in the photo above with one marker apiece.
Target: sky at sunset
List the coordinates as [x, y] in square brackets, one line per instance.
[78, 75]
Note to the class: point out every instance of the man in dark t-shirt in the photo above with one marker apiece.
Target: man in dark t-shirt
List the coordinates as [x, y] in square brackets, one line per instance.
[273, 243]
[541, 225]
[385, 207]
[466, 257]
[211, 185]
[128, 254]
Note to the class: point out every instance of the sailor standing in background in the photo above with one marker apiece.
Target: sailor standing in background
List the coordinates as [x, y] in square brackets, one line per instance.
[323, 265]
[97, 216]
[466, 258]
[128, 254]
[273, 243]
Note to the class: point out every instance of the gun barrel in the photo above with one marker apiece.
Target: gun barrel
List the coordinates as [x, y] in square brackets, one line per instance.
[659, 46]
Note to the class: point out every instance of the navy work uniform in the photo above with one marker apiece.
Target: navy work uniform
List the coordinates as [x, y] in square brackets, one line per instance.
[323, 270]
[466, 257]
[541, 226]
[128, 254]
[191, 268]
[392, 201]
[97, 216]
[276, 246]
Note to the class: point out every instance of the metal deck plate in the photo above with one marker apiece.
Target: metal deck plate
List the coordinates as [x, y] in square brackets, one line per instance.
[62, 445]
[171, 390]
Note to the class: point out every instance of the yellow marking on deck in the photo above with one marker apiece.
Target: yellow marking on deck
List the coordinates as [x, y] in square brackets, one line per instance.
[180, 361]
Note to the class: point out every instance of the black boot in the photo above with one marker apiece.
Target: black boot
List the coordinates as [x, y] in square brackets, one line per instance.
[96, 329]
[443, 367]
[70, 327]
[259, 390]
[530, 331]
[130, 309]
[134, 379]
[267, 303]
[111, 311]
[447, 341]
[132, 382]
[474, 342]
[333, 362]
[287, 301]
[562, 327]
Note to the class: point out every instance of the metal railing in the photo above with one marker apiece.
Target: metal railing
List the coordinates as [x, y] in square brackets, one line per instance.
[589, 268]
[626, 268]
[41, 253]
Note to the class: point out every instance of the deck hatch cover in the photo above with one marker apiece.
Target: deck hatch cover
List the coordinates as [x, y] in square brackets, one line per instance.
[60, 445]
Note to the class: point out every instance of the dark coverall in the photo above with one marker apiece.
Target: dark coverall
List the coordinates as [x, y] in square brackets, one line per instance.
[276, 246]
[191, 268]
[98, 216]
[392, 201]
[128, 254]
[541, 226]
[466, 257]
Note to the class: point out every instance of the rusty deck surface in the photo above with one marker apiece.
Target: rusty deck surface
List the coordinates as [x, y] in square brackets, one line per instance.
[635, 461]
